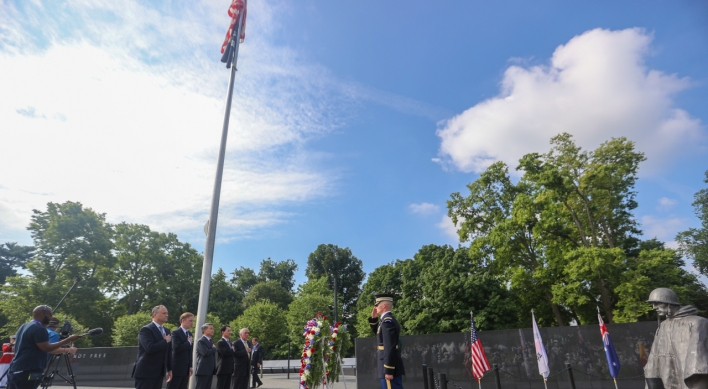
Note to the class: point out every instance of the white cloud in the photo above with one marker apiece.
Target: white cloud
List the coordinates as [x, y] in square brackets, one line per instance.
[596, 87]
[666, 203]
[122, 110]
[662, 229]
[672, 245]
[424, 208]
[448, 228]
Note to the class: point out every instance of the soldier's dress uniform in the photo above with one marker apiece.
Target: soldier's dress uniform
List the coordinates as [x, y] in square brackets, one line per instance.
[389, 359]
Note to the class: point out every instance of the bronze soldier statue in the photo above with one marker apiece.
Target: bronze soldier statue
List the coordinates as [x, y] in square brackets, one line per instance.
[388, 331]
[679, 355]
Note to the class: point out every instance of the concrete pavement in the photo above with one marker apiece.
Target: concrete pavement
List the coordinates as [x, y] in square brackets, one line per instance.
[276, 381]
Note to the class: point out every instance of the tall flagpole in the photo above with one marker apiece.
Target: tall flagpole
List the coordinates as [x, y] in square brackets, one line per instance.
[205, 285]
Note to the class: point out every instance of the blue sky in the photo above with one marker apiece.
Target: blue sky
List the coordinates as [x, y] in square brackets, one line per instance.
[352, 121]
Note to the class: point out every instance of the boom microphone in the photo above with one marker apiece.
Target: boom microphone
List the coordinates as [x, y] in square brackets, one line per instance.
[93, 332]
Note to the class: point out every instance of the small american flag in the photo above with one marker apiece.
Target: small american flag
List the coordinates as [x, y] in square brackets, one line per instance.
[480, 364]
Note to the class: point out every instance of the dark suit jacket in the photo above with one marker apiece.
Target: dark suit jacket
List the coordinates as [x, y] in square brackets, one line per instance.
[206, 361]
[181, 353]
[242, 364]
[257, 356]
[224, 357]
[154, 354]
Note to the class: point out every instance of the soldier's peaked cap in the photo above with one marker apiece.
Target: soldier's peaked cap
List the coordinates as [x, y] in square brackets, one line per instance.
[383, 297]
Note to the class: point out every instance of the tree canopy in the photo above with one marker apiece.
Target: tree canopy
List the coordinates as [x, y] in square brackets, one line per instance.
[331, 261]
[12, 258]
[693, 242]
[565, 235]
[559, 236]
[267, 322]
[435, 291]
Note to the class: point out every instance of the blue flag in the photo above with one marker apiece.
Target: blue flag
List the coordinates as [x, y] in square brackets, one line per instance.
[613, 362]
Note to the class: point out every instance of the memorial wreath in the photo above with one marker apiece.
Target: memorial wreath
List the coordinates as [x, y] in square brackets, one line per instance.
[321, 360]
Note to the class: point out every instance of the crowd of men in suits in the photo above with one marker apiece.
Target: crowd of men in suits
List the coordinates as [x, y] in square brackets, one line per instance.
[163, 355]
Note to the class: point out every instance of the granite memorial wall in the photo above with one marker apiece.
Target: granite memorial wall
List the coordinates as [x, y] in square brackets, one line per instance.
[514, 352]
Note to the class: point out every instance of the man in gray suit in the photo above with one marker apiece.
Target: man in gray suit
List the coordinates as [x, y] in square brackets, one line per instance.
[206, 359]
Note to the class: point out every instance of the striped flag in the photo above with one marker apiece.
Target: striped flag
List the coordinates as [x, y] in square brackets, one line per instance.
[612, 360]
[541, 355]
[235, 12]
[480, 364]
[524, 352]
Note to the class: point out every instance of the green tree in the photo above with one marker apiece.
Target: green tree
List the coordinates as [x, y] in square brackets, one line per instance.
[331, 261]
[594, 194]
[314, 286]
[435, 291]
[310, 298]
[139, 251]
[243, 279]
[70, 241]
[651, 269]
[213, 319]
[12, 258]
[224, 299]
[501, 221]
[450, 284]
[567, 227]
[267, 322]
[271, 291]
[693, 243]
[126, 328]
[384, 279]
[177, 286]
[283, 272]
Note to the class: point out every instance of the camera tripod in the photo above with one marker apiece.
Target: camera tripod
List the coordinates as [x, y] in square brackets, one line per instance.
[53, 370]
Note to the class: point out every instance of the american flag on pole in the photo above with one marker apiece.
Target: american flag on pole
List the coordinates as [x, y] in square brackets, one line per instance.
[235, 12]
[480, 364]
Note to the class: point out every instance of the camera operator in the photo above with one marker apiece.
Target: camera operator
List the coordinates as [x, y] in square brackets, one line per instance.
[27, 368]
[54, 338]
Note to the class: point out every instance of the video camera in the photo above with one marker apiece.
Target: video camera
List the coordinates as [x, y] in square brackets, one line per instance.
[65, 330]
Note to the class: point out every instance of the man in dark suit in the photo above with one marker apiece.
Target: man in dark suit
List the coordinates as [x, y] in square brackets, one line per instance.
[256, 362]
[154, 352]
[206, 361]
[242, 354]
[224, 359]
[182, 353]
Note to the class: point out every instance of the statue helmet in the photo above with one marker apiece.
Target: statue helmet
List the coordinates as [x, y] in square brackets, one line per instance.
[663, 295]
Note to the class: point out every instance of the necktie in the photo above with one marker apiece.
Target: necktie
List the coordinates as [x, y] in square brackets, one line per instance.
[211, 343]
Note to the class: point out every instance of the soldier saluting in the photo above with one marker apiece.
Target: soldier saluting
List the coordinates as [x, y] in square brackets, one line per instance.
[388, 331]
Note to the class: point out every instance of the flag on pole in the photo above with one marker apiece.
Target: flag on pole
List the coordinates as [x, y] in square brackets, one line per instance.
[524, 352]
[541, 355]
[235, 12]
[480, 364]
[612, 360]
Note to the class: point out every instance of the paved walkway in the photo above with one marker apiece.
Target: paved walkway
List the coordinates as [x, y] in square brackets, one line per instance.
[275, 381]
[280, 381]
